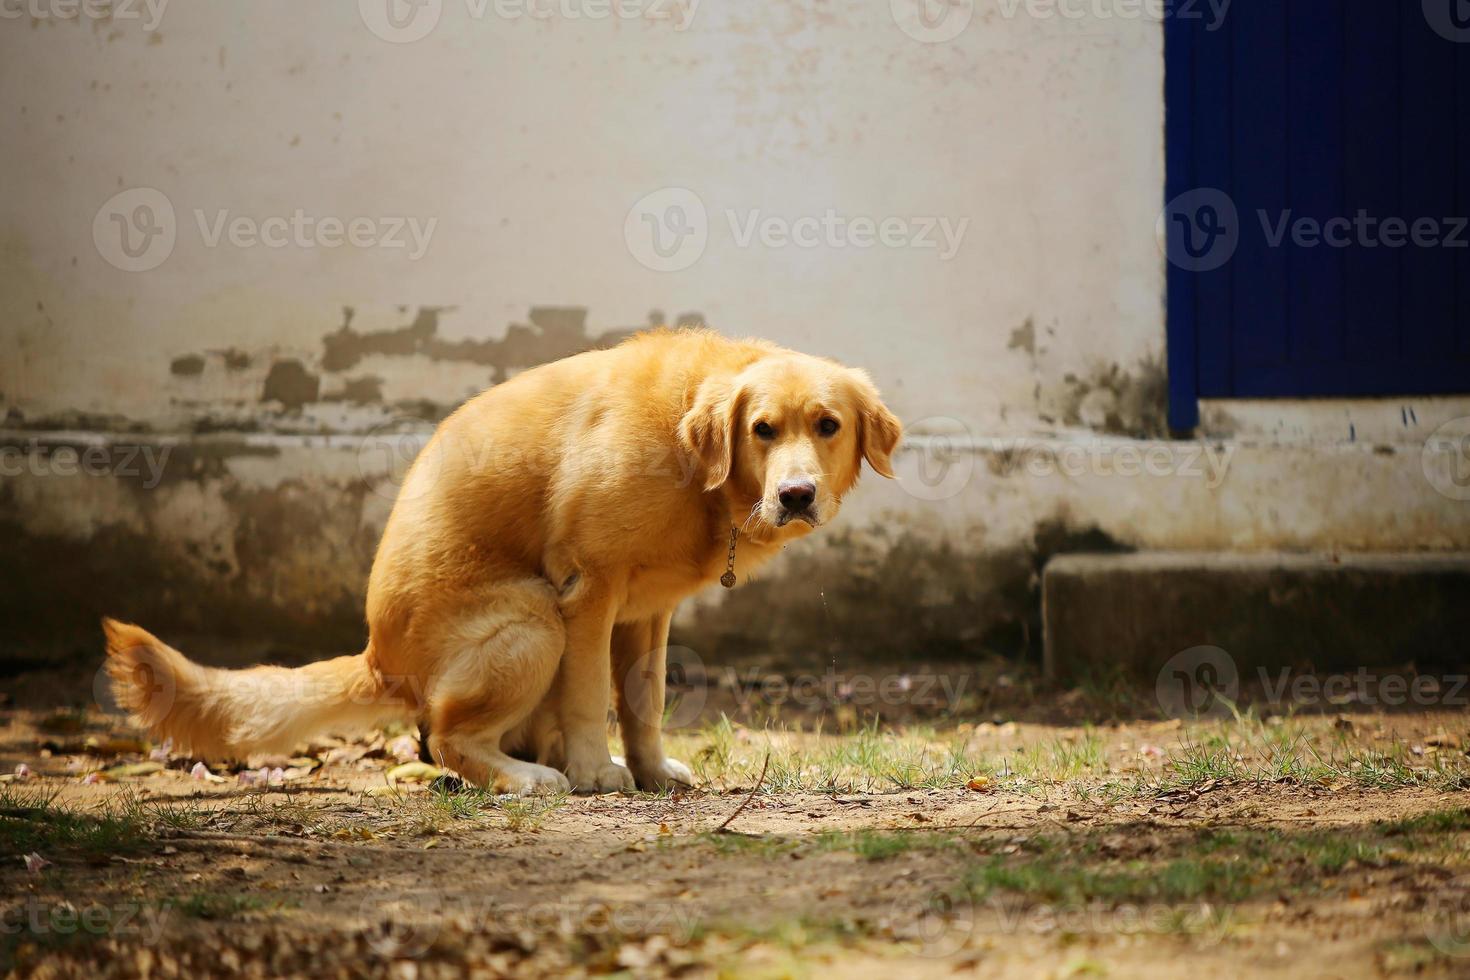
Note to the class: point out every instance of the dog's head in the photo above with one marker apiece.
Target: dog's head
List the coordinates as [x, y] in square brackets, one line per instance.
[790, 433]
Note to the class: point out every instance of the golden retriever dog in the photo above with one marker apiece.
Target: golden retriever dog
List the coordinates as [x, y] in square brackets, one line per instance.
[534, 557]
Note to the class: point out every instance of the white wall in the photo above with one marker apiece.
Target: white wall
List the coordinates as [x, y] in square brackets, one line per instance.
[536, 147]
[529, 141]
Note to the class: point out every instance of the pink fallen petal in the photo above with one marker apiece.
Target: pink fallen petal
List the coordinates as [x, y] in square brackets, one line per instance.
[1151, 752]
[92, 779]
[248, 777]
[277, 775]
[34, 863]
[162, 752]
[200, 771]
[22, 771]
[404, 748]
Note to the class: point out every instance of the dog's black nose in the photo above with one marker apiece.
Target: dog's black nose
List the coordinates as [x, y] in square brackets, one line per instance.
[796, 495]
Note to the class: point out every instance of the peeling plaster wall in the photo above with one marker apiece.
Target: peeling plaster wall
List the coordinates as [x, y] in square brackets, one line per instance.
[289, 383]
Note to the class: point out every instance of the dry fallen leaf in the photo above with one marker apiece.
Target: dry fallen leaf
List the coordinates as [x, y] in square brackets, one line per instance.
[413, 772]
[980, 784]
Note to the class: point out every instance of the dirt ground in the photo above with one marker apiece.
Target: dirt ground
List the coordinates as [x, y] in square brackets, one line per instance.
[1269, 843]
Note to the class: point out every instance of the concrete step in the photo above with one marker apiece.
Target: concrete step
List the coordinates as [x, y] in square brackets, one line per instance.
[1138, 612]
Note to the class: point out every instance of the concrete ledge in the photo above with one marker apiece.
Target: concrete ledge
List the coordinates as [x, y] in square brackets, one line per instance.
[1133, 612]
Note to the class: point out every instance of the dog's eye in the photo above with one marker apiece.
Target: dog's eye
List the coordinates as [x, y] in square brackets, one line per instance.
[764, 430]
[828, 427]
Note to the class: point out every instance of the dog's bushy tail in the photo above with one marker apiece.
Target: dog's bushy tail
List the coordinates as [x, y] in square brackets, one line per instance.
[233, 714]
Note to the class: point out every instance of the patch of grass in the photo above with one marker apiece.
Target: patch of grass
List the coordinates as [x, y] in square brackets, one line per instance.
[870, 760]
[1062, 880]
[1412, 957]
[871, 845]
[1286, 751]
[449, 802]
[787, 947]
[877, 845]
[754, 845]
[178, 816]
[1434, 822]
[31, 820]
[1217, 865]
[874, 760]
[528, 813]
[1063, 760]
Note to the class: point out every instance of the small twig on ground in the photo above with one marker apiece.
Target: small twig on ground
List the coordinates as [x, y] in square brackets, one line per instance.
[995, 811]
[184, 838]
[758, 783]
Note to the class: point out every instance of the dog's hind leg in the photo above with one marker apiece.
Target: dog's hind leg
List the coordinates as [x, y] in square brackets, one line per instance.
[500, 665]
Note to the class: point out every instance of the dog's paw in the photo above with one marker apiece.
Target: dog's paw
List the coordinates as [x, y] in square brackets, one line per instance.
[527, 779]
[609, 777]
[664, 774]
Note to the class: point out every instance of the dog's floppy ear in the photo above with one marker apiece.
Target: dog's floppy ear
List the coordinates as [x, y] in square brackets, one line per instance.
[707, 430]
[880, 429]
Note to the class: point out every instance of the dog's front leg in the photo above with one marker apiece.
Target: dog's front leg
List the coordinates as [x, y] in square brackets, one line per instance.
[640, 652]
[584, 689]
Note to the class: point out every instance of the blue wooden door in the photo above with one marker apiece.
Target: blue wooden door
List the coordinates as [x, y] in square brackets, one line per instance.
[1318, 187]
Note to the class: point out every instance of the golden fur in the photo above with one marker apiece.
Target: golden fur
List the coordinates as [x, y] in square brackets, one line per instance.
[535, 555]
